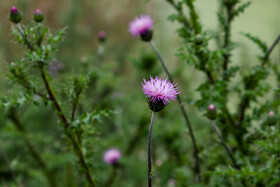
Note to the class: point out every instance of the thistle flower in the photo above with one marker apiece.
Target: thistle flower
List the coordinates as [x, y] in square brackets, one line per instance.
[211, 113]
[271, 113]
[38, 16]
[159, 92]
[102, 36]
[111, 156]
[15, 16]
[142, 26]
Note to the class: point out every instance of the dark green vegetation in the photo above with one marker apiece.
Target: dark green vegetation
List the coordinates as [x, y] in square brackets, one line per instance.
[69, 97]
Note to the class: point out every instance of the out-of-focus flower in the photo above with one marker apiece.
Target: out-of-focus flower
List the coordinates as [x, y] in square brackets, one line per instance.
[102, 36]
[38, 16]
[271, 113]
[211, 113]
[15, 16]
[159, 92]
[112, 156]
[142, 26]
[171, 182]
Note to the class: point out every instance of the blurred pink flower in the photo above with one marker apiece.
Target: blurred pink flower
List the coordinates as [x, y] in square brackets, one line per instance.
[140, 25]
[102, 34]
[211, 107]
[271, 113]
[160, 90]
[111, 156]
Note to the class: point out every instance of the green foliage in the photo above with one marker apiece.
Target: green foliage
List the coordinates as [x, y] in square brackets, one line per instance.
[261, 44]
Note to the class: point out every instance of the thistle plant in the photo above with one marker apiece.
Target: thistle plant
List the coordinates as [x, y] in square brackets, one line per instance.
[41, 44]
[159, 92]
[142, 26]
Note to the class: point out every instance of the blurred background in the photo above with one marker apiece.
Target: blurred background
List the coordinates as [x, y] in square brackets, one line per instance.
[117, 68]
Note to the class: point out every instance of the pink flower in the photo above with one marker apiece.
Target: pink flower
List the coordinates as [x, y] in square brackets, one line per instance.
[14, 10]
[102, 34]
[211, 107]
[111, 156]
[160, 90]
[140, 25]
[271, 113]
[37, 11]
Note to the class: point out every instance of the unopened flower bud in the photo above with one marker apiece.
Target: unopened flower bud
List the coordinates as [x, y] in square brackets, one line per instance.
[15, 16]
[271, 119]
[102, 36]
[198, 39]
[38, 16]
[211, 113]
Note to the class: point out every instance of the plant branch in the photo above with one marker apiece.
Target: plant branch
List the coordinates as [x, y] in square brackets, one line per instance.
[66, 124]
[197, 165]
[227, 30]
[111, 178]
[266, 57]
[26, 42]
[224, 144]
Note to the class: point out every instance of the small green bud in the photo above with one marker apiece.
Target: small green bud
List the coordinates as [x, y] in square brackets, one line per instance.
[15, 16]
[271, 119]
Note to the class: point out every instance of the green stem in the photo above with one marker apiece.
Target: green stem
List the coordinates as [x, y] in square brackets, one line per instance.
[149, 150]
[197, 165]
[224, 144]
[35, 154]
[266, 57]
[112, 177]
[66, 124]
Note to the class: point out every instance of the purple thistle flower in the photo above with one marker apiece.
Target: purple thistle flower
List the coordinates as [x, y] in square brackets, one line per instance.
[211, 107]
[15, 16]
[14, 9]
[111, 156]
[140, 25]
[160, 90]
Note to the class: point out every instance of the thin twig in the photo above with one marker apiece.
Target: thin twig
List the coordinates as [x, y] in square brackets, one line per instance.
[24, 38]
[266, 57]
[224, 144]
[197, 166]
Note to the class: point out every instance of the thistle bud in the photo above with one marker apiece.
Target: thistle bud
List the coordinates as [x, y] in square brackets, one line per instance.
[102, 36]
[211, 112]
[156, 106]
[15, 16]
[38, 16]
[271, 119]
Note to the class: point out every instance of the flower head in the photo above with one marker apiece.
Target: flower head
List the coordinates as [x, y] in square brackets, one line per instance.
[111, 156]
[211, 107]
[102, 36]
[271, 113]
[159, 92]
[141, 26]
[15, 16]
[38, 16]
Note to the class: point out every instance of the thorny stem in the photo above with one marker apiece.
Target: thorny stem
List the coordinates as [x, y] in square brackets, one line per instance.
[224, 144]
[26, 42]
[35, 154]
[245, 100]
[149, 150]
[66, 124]
[227, 37]
[62, 117]
[197, 166]
[75, 103]
[266, 57]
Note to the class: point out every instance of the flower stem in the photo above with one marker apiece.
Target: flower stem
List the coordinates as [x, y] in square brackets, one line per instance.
[224, 144]
[111, 178]
[149, 150]
[197, 165]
